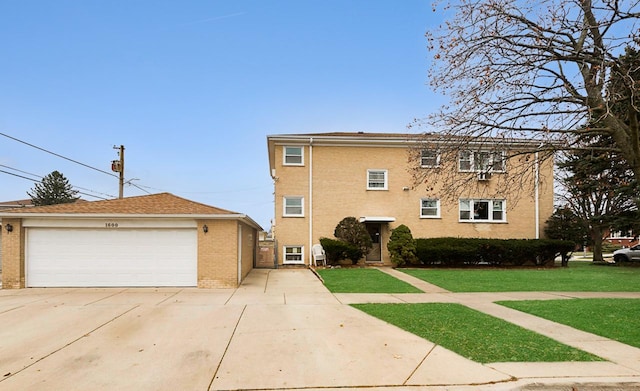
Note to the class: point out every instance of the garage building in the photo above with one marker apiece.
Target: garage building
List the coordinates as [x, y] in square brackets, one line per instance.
[146, 241]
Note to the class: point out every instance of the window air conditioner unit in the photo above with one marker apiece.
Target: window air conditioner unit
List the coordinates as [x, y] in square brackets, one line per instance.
[484, 176]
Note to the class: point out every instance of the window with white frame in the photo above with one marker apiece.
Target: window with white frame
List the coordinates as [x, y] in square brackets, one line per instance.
[481, 161]
[293, 156]
[621, 234]
[293, 254]
[377, 180]
[293, 206]
[429, 158]
[429, 208]
[483, 210]
[465, 161]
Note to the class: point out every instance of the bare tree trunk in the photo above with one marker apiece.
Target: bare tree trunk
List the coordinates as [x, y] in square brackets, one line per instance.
[596, 237]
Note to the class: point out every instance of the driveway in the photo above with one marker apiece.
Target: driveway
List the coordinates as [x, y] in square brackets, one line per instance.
[280, 330]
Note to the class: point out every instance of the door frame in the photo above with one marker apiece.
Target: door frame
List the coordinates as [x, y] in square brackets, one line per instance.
[375, 231]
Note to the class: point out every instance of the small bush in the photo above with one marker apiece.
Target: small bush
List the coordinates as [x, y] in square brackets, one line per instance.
[610, 247]
[337, 250]
[402, 247]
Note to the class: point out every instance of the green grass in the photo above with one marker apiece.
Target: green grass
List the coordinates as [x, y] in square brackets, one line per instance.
[615, 319]
[578, 277]
[349, 280]
[474, 335]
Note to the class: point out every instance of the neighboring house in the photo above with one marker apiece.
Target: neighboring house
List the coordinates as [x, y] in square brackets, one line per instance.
[154, 240]
[321, 178]
[622, 238]
[15, 204]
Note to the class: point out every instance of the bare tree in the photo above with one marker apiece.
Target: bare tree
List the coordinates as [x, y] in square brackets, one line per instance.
[476, 166]
[537, 70]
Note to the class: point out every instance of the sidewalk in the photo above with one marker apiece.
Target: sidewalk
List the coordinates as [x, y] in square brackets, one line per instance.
[280, 330]
[327, 344]
[622, 371]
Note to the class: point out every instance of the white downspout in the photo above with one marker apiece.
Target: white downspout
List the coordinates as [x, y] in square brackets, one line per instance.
[537, 195]
[310, 202]
[239, 253]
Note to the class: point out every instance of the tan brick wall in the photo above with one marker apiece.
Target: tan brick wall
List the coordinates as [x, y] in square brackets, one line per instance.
[339, 190]
[13, 254]
[218, 254]
[291, 181]
[546, 194]
[249, 248]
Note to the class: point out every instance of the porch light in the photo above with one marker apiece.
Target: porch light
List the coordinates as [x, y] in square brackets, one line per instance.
[205, 229]
[9, 227]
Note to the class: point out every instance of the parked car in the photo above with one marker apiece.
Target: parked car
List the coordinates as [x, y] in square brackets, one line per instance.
[627, 254]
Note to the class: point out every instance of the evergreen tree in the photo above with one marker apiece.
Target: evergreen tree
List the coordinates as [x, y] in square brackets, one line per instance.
[601, 189]
[402, 247]
[565, 225]
[53, 189]
[624, 88]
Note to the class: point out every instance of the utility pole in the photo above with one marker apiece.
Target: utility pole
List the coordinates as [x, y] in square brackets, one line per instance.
[118, 166]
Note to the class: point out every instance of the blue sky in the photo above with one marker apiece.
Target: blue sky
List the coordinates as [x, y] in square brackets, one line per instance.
[192, 88]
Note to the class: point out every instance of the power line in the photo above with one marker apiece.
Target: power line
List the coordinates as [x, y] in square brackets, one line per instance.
[41, 177]
[69, 159]
[58, 155]
[19, 176]
[24, 172]
[139, 187]
[94, 196]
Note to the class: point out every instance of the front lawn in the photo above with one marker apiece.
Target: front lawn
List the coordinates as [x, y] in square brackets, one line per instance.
[474, 335]
[356, 280]
[578, 277]
[615, 319]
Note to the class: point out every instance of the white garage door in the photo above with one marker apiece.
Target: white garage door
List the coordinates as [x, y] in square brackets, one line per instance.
[62, 257]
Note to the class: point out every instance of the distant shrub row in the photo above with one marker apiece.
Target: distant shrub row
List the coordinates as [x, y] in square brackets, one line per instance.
[456, 252]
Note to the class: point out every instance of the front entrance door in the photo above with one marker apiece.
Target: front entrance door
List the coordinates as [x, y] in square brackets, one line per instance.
[375, 255]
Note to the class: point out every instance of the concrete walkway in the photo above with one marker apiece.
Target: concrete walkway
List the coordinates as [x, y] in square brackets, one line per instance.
[281, 329]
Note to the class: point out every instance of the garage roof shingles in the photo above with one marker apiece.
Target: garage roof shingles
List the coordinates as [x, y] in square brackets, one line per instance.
[157, 204]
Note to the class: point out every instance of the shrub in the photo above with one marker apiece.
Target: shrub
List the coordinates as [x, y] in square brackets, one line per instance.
[610, 247]
[337, 250]
[496, 252]
[402, 247]
[352, 231]
[353, 253]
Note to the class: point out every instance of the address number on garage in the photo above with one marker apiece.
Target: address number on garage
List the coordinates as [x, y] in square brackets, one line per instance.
[111, 225]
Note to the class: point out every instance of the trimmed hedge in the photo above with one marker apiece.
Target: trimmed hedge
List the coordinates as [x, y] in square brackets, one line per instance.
[337, 250]
[497, 252]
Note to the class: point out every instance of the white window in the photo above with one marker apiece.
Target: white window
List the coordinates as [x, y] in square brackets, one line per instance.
[465, 161]
[293, 156]
[483, 210]
[293, 254]
[429, 158]
[482, 161]
[377, 180]
[429, 208]
[621, 234]
[293, 206]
